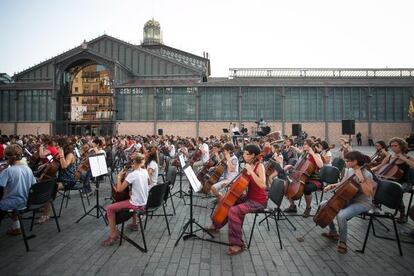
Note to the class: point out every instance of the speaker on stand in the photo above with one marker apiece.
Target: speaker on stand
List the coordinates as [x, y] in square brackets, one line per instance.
[296, 129]
[348, 128]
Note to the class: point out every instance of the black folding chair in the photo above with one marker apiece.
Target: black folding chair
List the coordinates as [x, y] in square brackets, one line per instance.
[329, 175]
[156, 199]
[66, 194]
[389, 194]
[276, 193]
[339, 163]
[40, 194]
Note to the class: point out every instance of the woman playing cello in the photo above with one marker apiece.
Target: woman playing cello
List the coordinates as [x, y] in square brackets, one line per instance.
[360, 203]
[399, 148]
[313, 183]
[255, 199]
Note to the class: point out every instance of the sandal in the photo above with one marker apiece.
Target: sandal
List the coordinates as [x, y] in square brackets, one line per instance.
[291, 209]
[231, 251]
[342, 248]
[212, 229]
[331, 235]
[43, 219]
[110, 241]
[306, 214]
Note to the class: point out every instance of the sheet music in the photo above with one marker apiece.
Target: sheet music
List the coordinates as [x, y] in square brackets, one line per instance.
[77, 153]
[182, 160]
[192, 178]
[98, 165]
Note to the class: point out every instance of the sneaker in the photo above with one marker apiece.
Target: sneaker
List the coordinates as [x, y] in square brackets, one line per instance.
[306, 214]
[291, 209]
[14, 232]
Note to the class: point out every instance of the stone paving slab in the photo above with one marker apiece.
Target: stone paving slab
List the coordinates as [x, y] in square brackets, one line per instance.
[77, 250]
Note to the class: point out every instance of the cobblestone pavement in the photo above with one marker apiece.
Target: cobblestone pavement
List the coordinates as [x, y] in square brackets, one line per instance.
[77, 250]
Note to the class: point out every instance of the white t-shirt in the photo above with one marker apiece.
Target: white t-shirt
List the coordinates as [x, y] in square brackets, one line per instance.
[329, 154]
[172, 151]
[206, 155]
[154, 178]
[139, 183]
[235, 129]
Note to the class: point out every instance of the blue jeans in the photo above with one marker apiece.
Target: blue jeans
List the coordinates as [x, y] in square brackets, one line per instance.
[344, 215]
[85, 179]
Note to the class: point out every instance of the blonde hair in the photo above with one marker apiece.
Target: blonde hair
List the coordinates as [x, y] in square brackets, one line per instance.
[139, 158]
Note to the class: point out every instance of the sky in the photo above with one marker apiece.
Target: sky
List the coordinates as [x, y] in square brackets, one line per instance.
[248, 34]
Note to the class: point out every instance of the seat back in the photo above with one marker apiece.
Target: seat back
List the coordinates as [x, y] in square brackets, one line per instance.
[171, 175]
[277, 191]
[156, 196]
[389, 193]
[41, 193]
[329, 174]
[339, 163]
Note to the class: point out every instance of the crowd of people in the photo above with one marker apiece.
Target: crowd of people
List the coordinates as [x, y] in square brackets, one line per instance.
[137, 161]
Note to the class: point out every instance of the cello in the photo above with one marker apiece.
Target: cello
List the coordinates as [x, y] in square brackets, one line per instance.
[124, 194]
[296, 181]
[237, 187]
[344, 192]
[214, 176]
[390, 171]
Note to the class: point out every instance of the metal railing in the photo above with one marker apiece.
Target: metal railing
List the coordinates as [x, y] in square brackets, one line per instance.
[321, 72]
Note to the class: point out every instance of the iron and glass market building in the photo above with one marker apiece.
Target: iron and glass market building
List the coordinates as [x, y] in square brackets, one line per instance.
[108, 86]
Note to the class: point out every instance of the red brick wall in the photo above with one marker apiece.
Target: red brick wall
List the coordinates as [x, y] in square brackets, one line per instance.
[385, 131]
[182, 129]
[33, 128]
[7, 129]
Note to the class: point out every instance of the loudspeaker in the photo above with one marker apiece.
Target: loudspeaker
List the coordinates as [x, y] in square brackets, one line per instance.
[296, 129]
[160, 131]
[348, 127]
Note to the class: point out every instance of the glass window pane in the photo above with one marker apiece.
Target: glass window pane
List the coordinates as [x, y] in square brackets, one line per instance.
[35, 105]
[249, 104]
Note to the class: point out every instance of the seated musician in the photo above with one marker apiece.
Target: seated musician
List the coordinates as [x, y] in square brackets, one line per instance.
[139, 181]
[381, 152]
[345, 147]
[267, 152]
[255, 199]
[313, 183]
[231, 171]
[325, 152]
[361, 202]
[66, 173]
[16, 181]
[205, 155]
[48, 147]
[152, 166]
[399, 148]
[277, 163]
[288, 151]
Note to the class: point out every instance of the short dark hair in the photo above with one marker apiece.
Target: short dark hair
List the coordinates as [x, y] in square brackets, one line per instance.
[229, 147]
[252, 149]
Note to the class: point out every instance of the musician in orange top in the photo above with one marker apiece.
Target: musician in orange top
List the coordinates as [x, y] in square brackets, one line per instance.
[255, 199]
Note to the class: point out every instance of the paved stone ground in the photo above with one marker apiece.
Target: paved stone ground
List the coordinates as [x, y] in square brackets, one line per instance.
[77, 251]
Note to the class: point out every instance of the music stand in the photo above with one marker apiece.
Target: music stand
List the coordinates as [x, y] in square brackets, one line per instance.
[99, 168]
[225, 130]
[196, 186]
